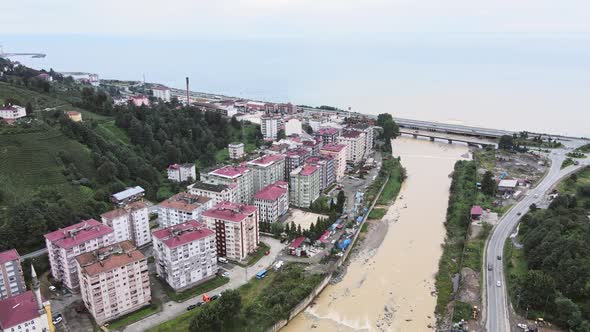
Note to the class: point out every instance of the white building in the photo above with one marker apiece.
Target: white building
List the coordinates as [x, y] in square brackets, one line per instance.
[12, 112]
[130, 222]
[236, 229]
[182, 172]
[272, 202]
[161, 92]
[240, 176]
[65, 244]
[217, 192]
[182, 207]
[236, 150]
[293, 127]
[355, 145]
[186, 254]
[128, 195]
[304, 186]
[114, 281]
[12, 281]
[338, 152]
[269, 126]
[266, 170]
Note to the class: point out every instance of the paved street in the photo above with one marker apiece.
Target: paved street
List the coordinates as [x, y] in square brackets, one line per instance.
[496, 309]
[238, 277]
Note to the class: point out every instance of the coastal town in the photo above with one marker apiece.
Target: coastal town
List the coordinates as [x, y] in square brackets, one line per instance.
[299, 200]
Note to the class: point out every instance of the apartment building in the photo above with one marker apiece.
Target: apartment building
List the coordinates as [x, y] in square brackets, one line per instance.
[128, 195]
[304, 186]
[266, 170]
[269, 126]
[236, 229]
[65, 244]
[355, 145]
[236, 150]
[182, 207]
[131, 222]
[327, 167]
[26, 311]
[161, 92]
[327, 135]
[12, 112]
[217, 192]
[12, 281]
[186, 254]
[369, 131]
[293, 127]
[114, 281]
[294, 159]
[182, 172]
[338, 152]
[272, 202]
[239, 175]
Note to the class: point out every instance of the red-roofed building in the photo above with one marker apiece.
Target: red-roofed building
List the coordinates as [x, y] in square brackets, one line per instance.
[338, 151]
[272, 202]
[355, 145]
[161, 92]
[65, 244]
[266, 170]
[186, 254]
[327, 135]
[12, 281]
[130, 222]
[12, 112]
[23, 312]
[295, 158]
[476, 212]
[304, 185]
[182, 207]
[139, 100]
[297, 248]
[241, 176]
[236, 229]
[327, 166]
[182, 172]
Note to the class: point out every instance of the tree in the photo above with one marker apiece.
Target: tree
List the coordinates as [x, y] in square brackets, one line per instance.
[276, 228]
[299, 232]
[107, 172]
[287, 229]
[29, 108]
[281, 134]
[488, 185]
[341, 198]
[506, 142]
[206, 319]
[390, 129]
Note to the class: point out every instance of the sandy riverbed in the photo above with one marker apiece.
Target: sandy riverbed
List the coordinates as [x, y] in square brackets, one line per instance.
[388, 285]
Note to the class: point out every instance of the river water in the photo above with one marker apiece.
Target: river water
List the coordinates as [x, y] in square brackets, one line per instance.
[389, 287]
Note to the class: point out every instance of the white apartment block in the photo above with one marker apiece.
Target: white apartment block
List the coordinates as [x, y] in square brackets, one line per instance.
[114, 281]
[304, 185]
[130, 222]
[182, 172]
[269, 126]
[355, 145]
[12, 281]
[293, 127]
[236, 150]
[186, 254]
[182, 207]
[217, 192]
[338, 152]
[240, 176]
[369, 135]
[65, 244]
[272, 202]
[266, 170]
[236, 229]
[12, 112]
[161, 92]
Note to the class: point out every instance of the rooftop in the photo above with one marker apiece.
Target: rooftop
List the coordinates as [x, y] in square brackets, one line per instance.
[236, 144]
[231, 172]
[297, 242]
[124, 210]
[333, 147]
[318, 159]
[178, 166]
[327, 131]
[18, 309]
[184, 202]
[508, 183]
[129, 192]
[208, 187]
[297, 152]
[308, 170]
[273, 191]
[351, 133]
[79, 233]
[267, 160]
[477, 210]
[183, 233]
[108, 258]
[8, 255]
[230, 211]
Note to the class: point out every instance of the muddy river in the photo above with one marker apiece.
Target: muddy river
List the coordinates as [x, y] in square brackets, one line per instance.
[389, 283]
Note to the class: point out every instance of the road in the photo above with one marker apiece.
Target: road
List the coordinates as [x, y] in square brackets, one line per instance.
[238, 277]
[496, 309]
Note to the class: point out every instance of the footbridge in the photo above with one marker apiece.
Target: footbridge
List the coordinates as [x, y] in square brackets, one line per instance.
[450, 138]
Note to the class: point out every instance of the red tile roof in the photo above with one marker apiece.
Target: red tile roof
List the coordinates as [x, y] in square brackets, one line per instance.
[180, 234]
[230, 171]
[267, 160]
[79, 233]
[308, 170]
[114, 256]
[327, 131]
[8, 255]
[124, 210]
[17, 310]
[351, 133]
[230, 211]
[273, 191]
[297, 242]
[334, 147]
[297, 152]
[476, 210]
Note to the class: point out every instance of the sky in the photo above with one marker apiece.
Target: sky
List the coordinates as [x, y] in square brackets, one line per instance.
[501, 63]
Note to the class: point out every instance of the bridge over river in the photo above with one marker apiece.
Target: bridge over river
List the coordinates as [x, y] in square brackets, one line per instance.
[450, 138]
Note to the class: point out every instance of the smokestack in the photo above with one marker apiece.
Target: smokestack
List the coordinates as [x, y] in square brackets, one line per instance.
[188, 99]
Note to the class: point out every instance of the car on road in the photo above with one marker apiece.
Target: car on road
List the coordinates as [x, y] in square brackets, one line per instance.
[52, 288]
[519, 213]
[215, 297]
[191, 307]
[522, 326]
[499, 257]
[498, 283]
[57, 319]
[490, 267]
[225, 274]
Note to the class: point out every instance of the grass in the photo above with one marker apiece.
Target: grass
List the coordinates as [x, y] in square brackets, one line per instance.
[391, 169]
[365, 228]
[462, 311]
[567, 162]
[136, 316]
[254, 257]
[485, 158]
[583, 149]
[205, 287]
[515, 266]
[576, 154]
[377, 213]
[110, 131]
[222, 155]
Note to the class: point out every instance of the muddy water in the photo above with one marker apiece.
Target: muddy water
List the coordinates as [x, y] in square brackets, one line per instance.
[388, 288]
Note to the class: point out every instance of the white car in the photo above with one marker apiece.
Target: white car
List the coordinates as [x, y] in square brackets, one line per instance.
[225, 274]
[498, 283]
[57, 319]
[52, 288]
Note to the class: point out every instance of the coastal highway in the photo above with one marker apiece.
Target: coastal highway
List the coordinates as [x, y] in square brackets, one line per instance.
[496, 309]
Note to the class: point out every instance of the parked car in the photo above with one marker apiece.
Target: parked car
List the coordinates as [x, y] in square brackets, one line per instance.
[191, 307]
[52, 288]
[57, 319]
[225, 274]
[490, 267]
[215, 297]
[222, 260]
[498, 283]
[499, 257]
[200, 303]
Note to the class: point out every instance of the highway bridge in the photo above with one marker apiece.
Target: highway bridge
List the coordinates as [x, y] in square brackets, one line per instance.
[452, 129]
[450, 138]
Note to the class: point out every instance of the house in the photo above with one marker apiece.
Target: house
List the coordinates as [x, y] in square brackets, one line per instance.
[74, 116]
[12, 112]
[240, 176]
[161, 92]
[272, 202]
[338, 152]
[355, 145]
[130, 222]
[297, 247]
[327, 166]
[269, 126]
[327, 135]
[476, 212]
[217, 192]
[293, 127]
[128, 195]
[45, 77]
[236, 150]
[139, 100]
[266, 170]
[507, 186]
[182, 172]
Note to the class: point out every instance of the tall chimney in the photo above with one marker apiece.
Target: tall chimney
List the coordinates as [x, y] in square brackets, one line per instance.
[188, 98]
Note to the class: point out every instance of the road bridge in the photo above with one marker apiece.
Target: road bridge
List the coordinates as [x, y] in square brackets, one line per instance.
[452, 129]
[471, 141]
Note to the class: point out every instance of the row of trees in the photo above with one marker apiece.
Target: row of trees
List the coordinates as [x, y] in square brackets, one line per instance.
[390, 130]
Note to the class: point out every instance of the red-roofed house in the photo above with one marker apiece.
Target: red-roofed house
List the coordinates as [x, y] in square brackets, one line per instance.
[327, 135]
[297, 248]
[476, 212]
[65, 244]
[12, 112]
[21, 313]
[338, 151]
[12, 281]
[355, 144]
[266, 170]
[272, 202]
[139, 100]
[295, 158]
[304, 185]
[236, 229]
[186, 254]
[239, 175]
